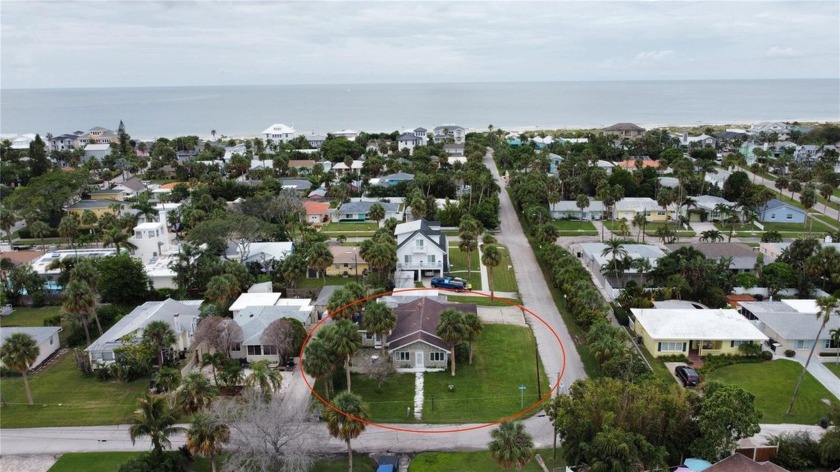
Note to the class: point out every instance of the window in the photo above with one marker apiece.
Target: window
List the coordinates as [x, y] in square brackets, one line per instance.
[404, 355]
[408, 258]
[772, 216]
[789, 216]
[430, 258]
[436, 356]
[418, 243]
[254, 350]
[138, 235]
[830, 344]
[803, 343]
[267, 350]
[738, 343]
[671, 346]
[236, 347]
[51, 340]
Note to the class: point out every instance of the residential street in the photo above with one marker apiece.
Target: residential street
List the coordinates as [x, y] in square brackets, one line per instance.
[536, 295]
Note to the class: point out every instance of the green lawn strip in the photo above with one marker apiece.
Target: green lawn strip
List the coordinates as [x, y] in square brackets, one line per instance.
[37, 243]
[488, 390]
[107, 462]
[345, 227]
[482, 301]
[64, 397]
[331, 280]
[822, 201]
[476, 461]
[827, 221]
[339, 463]
[575, 228]
[504, 279]
[25, 316]
[658, 366]
[772, 383]
[458, 266]
[650, 229]
[452, 232]
[834, 367]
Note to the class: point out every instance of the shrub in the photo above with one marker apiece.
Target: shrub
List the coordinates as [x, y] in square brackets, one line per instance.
[750, 350]
[675, 358]
[54, 320]
[790, 353]
[797, 451]
[767, 355]
[621, 315]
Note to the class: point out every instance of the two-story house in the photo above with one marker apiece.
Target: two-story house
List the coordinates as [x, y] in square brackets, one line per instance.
[445, 133]
[624, 130]
[422, 248]
[279, 132]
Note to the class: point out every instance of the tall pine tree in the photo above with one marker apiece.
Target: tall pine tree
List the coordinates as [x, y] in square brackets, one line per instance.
[38, 162]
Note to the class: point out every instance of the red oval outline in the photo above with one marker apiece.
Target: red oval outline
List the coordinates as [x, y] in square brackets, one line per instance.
[434, 431]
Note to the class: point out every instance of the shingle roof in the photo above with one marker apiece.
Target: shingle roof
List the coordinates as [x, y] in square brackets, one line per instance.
[435, 236]
[418, 320]
[624, 127]
[297, 184]
[364, 207]
[316, 208]
[92, 204]
[132, 324]
[39, 334]
[741, 463]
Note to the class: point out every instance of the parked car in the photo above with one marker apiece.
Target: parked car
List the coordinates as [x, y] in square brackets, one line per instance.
[687, 376]
[446, 282]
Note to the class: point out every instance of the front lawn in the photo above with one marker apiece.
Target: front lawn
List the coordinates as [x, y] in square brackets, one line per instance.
[477, 461]
[348, 227]
[393, 403]
[458, 266]
[106, 462]
[504, 279]
[482, 300]
[339, 463]
[772, 383]
[331, 280]
[834, 367]
[575, 228]
[488, 390]
[64, 397]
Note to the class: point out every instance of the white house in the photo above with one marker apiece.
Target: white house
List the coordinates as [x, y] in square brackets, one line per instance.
[97, 151]
[629, 207]
[349, 134]
[46, 338]
[454, 132]
[181, 315]
[708, 204]
[568, 209]
[279, 132]
[152, 241]
[792, 325]
[422, 248]
[769, 127]
[260, 252]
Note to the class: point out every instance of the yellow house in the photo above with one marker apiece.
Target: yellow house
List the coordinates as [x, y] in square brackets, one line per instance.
[669, 332]
[629, 207]
[98, 207]
[107, 194]
[347, 262]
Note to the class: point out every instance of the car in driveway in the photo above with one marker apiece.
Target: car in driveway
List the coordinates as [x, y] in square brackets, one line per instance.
[687, 375]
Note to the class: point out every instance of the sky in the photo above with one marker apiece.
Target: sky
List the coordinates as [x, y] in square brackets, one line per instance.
[114, 43]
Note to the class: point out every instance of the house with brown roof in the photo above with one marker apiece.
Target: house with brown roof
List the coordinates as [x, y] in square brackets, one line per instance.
[741, 463]
[413, 344]
[632, 164]
[624, 130]
[316, 212]
[302, 166]
[347, 262]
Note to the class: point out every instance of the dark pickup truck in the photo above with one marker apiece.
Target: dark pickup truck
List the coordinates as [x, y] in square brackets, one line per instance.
[450, 283]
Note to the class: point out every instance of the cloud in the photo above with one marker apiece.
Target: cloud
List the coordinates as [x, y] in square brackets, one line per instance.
[654, 55]
[776, 51]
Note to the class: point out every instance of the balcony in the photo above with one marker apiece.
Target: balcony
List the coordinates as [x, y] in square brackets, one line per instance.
[420, 265]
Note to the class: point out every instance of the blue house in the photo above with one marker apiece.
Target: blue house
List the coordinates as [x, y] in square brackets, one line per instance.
[777, 211]
[391, 180]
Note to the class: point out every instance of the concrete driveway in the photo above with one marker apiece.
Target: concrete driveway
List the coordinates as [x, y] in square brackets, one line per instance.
[501, 315]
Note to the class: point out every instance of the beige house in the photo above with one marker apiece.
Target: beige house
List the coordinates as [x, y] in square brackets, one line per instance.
[624, 130]
[347, 262]
[693, 332]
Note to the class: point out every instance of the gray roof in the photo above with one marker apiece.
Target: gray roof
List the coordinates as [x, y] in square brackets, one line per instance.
[408, 137]
[436, 236]
[90, 204]
[254, 319]
[789, 323]
[130, 327]
[298, 184]
[743, 256]
[571, 205]
[401, 176]
[134, 184]
[106, 191]
[709, 202]
[776, 203]
[325, 294]
[624, 127]
[364, 207]
[39, 334]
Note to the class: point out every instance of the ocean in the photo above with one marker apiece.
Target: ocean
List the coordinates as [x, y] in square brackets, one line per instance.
[247, 110]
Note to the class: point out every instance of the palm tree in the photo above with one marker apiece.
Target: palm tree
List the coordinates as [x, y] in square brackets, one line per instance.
[511, 446]
[380, 319]
[835, 339]
[117, 238]
[79, 302]
[8, 218]
[343, 340]
[711, 235]
[452, 329]
[318, 361]
[639, 222]
[582, 202]
[263, 378]
[159, 335]
[468, 244]
[616, 251]
[320, 257]
[215, 359]
[195, 392]
[18, 352]
[154, 418]
[222, 288]
[89, 220]
[376, 213]
[145, 207]
[39, 229]
[348, 422]
[206, 437]
[167, 378]
[491, 257]
[473, 327]
[68, 228]
[827, 307]
[642, 266]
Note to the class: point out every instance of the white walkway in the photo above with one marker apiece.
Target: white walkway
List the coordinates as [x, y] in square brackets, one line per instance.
[418, 396]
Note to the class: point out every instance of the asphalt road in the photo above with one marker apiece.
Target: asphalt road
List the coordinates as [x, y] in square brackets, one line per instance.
[536, 295]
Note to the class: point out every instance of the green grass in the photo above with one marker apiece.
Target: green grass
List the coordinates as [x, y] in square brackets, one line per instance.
[452, 232]
[477, 461]
[659, 368]
[574, 228]
[504, 279]
[339, 464]
[458, 266]
[388, 404]
[105, 462]
[787, 230]
[64, 397]
[346, 227]
[650, 229]
[331, 280]
[834, 367]
[772, 383]
[25, 316]
[482, 301]
[487, 390]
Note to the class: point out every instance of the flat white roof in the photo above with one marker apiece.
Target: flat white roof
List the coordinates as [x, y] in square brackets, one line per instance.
[697, 325]
[148, 225]
[803, 306]
[254, 299]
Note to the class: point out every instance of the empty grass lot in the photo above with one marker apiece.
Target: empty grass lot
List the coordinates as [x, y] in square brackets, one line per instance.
[393, 403]
[504, 279]
[348, 227]
[331, 280]
[483, 301]
[772, 383]
[575, 228]
[64, 397]
[25, 316]
[478, 461]
[105, 462]
[458, 266]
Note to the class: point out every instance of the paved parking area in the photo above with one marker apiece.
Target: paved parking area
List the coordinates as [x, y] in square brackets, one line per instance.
[501, 315]
[671, 366]
[31, 463]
